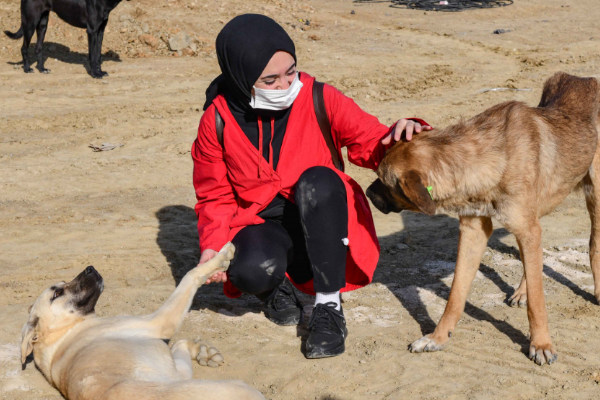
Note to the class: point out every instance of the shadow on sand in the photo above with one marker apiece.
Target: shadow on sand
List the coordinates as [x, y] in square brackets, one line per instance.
[64, 54]
[438, 237]
[427, 236]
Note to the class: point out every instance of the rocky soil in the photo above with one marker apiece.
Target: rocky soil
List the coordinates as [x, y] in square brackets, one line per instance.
[129, 211]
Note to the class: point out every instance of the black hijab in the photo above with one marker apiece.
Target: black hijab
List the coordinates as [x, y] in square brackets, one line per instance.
[244, 47]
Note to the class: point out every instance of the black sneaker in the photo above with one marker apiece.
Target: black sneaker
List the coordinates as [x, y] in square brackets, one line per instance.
[283, 307]
[327, 332]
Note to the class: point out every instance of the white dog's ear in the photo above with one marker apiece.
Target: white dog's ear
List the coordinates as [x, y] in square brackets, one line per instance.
[28, 338]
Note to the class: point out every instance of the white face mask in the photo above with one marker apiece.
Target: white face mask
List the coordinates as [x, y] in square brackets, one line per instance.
[266, 99]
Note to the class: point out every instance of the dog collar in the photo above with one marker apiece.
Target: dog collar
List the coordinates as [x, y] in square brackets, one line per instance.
[430, 189]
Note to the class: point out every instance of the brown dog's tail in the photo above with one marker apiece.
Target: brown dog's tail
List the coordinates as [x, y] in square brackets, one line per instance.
[16, 35]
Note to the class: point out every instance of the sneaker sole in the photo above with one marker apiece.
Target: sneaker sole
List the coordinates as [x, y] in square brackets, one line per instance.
[293, 320]
[318, 353]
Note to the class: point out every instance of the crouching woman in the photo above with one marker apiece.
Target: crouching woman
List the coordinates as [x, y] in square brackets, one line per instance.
[265, 179]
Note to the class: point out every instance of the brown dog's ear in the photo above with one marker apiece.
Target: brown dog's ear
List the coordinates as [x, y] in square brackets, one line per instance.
[417, 193]
[28, 338]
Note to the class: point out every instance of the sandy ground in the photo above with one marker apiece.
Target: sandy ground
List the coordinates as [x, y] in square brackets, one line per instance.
[129, 212]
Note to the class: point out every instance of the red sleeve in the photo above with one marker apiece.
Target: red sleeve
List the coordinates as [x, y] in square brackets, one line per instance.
[216, 199]
[360, 132]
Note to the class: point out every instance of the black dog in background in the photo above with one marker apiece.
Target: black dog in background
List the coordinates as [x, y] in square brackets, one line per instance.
[89, 14]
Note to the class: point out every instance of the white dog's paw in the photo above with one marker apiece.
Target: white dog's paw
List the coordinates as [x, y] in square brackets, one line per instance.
[228, 250]
[227, 253]
[208, 356]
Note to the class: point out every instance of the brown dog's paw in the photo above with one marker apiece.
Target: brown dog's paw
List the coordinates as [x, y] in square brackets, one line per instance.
[542, 354]
[209, 356]
[518, 299]
[425, 345]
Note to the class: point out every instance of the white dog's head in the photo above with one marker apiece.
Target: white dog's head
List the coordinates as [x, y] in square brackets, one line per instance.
[60, 307]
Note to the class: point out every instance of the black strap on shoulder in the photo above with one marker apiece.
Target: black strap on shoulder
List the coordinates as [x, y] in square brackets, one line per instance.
[220, 126]
[324, 124]
[322, 119]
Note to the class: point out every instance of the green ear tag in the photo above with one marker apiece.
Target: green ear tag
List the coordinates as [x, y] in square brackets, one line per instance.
[429, 189]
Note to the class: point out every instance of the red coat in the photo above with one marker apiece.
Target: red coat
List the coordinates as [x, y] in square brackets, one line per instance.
[232, 187]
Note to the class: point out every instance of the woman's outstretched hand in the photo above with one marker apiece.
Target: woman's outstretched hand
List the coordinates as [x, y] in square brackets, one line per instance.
[404, 129]
[206, 256]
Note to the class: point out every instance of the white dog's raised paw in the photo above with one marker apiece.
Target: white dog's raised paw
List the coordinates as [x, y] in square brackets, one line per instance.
[228, 251]
[209, 356]
[424, 345]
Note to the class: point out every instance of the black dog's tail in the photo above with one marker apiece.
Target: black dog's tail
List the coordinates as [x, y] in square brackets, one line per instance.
[17, 35]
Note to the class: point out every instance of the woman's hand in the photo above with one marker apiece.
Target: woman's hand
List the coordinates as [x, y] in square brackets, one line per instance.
[206, 256]
[408, 127]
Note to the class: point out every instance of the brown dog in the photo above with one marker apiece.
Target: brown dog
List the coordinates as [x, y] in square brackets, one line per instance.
[514, 163]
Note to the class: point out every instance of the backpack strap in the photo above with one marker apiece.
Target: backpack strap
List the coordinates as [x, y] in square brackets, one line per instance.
[220, 126]
[322, 119]
[324, 124]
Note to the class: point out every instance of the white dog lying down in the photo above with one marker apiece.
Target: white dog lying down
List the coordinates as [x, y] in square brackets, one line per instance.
[123, 358]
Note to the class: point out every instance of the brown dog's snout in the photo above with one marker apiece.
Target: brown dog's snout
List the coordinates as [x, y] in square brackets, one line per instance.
[382, 198]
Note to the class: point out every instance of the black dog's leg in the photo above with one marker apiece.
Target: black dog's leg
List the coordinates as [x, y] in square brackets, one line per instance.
[96, 22]
[28, 30]
[31, 14]
[41, 33]
[91, 38]
[94, 53]
[99, 44]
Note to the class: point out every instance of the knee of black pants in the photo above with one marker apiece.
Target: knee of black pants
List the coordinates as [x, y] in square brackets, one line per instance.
[319, 186]
[261, 258]
[255, 278]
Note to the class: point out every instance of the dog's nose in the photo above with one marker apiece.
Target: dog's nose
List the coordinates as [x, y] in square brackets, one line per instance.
[89, 270]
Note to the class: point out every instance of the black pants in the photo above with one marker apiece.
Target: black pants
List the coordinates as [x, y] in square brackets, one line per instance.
[303, 239]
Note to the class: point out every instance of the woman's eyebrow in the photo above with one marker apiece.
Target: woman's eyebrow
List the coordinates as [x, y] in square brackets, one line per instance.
[276, 75]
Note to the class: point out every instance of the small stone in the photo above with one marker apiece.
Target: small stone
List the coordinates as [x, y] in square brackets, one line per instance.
[179, 41]
[149, 40]
[352, 12]
[362, 362]
[402, 246]
[501, 31]
[314, 37]
[145, 28]
[187, 52]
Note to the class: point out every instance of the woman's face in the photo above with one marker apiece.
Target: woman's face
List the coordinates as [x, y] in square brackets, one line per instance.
[279, 72]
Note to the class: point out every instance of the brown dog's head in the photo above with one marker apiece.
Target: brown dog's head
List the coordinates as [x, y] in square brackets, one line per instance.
[399, 187]
[60, 307]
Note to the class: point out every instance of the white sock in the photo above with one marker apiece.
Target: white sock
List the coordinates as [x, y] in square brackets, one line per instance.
[333, 297]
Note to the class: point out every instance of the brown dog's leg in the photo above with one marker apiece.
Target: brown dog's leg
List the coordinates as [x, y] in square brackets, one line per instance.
[167, 319]
[472, 242]
[519, 297]
[541, 349]
[591, 187]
